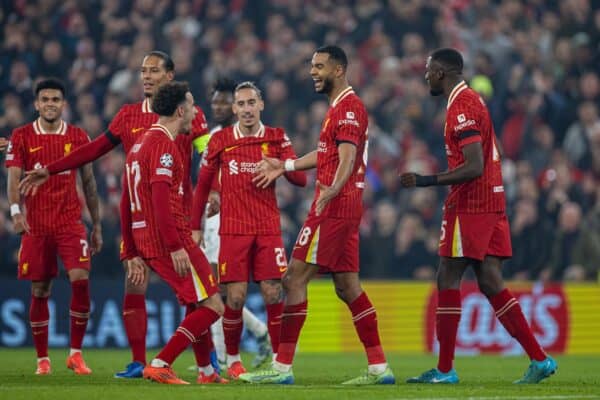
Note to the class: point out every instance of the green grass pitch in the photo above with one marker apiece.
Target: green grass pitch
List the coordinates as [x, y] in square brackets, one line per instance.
[317, 377]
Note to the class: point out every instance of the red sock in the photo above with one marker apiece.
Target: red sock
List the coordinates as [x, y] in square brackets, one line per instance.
[79, 311]
[202, 345]
[292, 320]
[447, 319]
[274, 323]
[188, 332]
[135, 320]
[510, 314]
[233, 325]
[39, 317]
[365, 322]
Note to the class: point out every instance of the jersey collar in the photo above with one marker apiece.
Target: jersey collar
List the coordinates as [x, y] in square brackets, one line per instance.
[39, 130]
[342, 95]
[237, 133]
[163, 129]
[460, 86]
[146, 106]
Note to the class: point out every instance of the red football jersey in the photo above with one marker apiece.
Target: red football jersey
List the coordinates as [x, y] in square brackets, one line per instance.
[468, 121]
[56, 206]
[155, 158]
[346, 121]
[245, 209]
[134, 119]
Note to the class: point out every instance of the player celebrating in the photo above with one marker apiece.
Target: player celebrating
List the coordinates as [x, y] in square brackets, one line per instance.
[475, 230]
[156, 231]
[129, 123]
[52, 225]
[250, 229]
[328, 241]
[222, 112]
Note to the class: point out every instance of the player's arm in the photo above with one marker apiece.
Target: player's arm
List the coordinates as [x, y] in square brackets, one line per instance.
[347, 155]
[297, 178]
[269, 169]
[91, 200]
[470, 169]
[206, 181]
[82, 155]
[3, 143]
[136, 267]
[14, 198]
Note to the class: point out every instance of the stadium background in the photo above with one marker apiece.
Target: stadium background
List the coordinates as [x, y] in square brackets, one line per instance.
[536, 63]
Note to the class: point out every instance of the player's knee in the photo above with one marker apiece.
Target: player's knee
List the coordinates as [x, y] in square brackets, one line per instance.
[78, 274]
[236, 300]
[215, 303]
[40, 289]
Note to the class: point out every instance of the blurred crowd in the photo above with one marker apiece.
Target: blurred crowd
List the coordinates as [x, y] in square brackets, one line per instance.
[535, 62]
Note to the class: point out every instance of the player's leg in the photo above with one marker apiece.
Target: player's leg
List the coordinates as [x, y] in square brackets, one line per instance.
[448, 311]
[197, 287]
[349, 290]
[39, 317]
[260, 331]
[233, 326]
[37, 263]
[271, 290]
[509, 312]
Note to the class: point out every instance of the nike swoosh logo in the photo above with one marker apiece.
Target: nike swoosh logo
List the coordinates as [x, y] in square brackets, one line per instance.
[436, 380]
[282, 269]
[230, 148]
[128, 312]
[134, 130]
[82, 259]
[37, 332]
[80, 322]
[34, 149]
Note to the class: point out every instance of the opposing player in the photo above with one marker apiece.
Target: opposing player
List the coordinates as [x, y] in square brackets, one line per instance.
[223, 116]
[156, 231]
[328, 241]
[475, 229]
[129, 123]
[250, 231]
[51, 223]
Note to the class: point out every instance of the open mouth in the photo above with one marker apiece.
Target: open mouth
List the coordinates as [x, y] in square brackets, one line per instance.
[318, 83]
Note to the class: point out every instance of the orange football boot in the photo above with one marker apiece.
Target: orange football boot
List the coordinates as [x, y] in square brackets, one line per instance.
[236, 370]
[214, 378]
[76, 363]
[43, 367]
[163, 375]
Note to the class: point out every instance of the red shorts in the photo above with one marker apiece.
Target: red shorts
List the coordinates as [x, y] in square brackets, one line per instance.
[38, 253]
[330, 243]
[198, 284]
[263, 255]
[475, 235]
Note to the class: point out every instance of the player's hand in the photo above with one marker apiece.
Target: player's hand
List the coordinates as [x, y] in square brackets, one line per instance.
[20, 224]
[408, 179]
[198, 237]
[33, 179]
[214, 204]
[326, 193]
[181, 262]
[3, 143]
[268, 170]
[96, 239]
[136, 270]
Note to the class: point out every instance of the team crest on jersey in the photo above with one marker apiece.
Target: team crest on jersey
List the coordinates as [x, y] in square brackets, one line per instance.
[166, 160]
[67, 148]
[461, 118]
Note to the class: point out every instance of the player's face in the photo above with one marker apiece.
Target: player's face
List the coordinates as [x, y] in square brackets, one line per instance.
[188, 114]
[247, 106]
[50, 103]
[434, 76]
[220, 104]
[154, 74]
[323, 72]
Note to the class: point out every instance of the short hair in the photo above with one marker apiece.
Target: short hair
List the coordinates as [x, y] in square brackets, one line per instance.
[249, 85]
[50, 83]
[167, 60]
[336, 53]
[450, 58]
[224, 84]
[168, 97]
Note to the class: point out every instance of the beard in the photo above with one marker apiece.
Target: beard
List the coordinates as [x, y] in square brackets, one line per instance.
[327, 86]
[436, 92]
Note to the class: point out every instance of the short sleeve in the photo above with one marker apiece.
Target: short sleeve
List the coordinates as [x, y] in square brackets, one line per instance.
[350, 124]
[464, 123]
[15, 154]
[162, 164]
[117, 125]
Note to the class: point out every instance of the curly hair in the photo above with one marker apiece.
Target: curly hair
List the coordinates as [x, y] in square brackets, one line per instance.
[168, 97]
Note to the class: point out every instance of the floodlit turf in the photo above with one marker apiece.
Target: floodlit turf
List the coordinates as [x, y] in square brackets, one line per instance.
[317, 377]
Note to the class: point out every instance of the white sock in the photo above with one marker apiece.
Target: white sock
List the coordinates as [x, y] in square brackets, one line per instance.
[277, 366]
[274, 357]
[73, 351]
[376, 369]
[158, 363]
[253, 324]
[231, 358]
[207, 370]
[218, 337]
[43, 358]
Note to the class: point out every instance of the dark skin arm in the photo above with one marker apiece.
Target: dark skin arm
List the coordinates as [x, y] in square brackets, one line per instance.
[347, 155]
[471, 169]
[91, 200]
